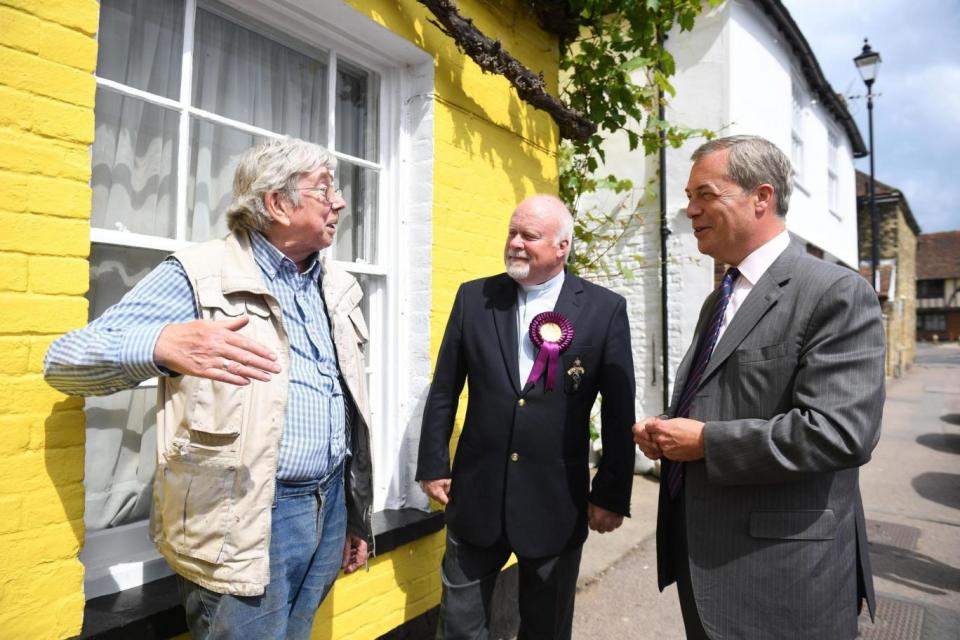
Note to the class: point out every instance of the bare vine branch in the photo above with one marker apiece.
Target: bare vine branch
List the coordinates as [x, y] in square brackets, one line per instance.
[490, 55]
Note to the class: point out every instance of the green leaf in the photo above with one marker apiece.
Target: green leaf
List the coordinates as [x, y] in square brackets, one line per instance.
[618, 41]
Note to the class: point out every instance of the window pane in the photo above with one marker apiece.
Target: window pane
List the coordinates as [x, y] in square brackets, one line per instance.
[114, 271]
[120, 447]
[930, 288]
[120, 457]
[141, 44]
[798, 101]
[357, 230]
[832, 191]
[796, 157]
[248, 77]
[832, 144]
[134, 159]
[358, 111]
[214, 153]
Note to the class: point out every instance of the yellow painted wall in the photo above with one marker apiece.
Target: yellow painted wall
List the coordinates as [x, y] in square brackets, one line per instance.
[491, 150]
[47, 56]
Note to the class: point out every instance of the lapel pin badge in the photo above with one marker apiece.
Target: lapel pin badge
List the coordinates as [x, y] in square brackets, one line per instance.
[576, 373]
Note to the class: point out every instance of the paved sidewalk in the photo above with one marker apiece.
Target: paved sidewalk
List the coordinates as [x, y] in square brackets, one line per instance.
[911, 492]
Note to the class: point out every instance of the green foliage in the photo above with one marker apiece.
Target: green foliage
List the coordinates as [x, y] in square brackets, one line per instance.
[619, 40]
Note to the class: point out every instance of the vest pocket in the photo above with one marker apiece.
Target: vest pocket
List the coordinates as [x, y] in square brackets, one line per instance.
[214, 413]
[196, 500]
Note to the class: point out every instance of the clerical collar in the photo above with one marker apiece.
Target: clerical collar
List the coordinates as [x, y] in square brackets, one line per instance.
[552, 283]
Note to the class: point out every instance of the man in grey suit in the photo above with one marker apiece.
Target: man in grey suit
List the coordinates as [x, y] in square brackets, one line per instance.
[776, 406]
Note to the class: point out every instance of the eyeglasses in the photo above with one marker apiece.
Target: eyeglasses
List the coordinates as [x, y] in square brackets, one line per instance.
[320, 192]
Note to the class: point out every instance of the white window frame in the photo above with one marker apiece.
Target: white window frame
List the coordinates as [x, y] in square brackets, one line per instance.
[797, 127]
[833, 173]
[399, 308]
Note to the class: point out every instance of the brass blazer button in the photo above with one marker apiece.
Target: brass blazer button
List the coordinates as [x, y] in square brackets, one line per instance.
[515, 456]
[521, 402]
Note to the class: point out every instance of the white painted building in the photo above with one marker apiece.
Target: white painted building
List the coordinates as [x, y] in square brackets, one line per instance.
[744, 69]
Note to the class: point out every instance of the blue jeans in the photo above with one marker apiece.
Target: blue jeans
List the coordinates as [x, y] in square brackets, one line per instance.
[306, 549]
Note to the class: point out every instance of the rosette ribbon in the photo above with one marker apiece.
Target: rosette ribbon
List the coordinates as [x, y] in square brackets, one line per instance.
[551, 333]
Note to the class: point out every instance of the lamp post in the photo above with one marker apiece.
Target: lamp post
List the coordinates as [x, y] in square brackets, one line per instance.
[868, 63]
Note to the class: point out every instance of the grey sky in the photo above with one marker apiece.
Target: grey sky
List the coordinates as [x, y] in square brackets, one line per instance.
[916, 119]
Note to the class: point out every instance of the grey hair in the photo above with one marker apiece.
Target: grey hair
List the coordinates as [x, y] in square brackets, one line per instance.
[273, 165]
[754, 161]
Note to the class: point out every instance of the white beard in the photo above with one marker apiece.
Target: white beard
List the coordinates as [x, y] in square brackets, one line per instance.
[516, 270]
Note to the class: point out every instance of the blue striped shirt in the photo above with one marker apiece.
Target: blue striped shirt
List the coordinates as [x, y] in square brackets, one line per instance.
[115, 352]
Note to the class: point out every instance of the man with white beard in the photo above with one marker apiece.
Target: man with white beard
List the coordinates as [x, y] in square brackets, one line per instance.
[538, 345]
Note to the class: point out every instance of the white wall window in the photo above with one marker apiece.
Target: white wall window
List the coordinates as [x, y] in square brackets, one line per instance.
[796, 133]
[183, 88]
[833, 181]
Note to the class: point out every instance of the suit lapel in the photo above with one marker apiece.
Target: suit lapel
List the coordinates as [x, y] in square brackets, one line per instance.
[684, 369]
[761, 298]
[570, 302]
[505, 319]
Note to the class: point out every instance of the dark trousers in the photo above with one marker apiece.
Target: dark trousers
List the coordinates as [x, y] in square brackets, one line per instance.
[680, 558]
[547, 587]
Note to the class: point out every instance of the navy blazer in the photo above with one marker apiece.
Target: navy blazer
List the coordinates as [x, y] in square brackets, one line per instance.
[521, 465]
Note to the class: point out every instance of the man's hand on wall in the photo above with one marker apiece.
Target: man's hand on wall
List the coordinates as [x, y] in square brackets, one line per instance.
[214, 349]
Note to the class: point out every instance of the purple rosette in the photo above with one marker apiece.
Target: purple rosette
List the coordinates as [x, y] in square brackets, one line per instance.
[551, 333]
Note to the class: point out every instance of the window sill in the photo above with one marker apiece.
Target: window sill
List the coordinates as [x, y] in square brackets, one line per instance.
[152, 611]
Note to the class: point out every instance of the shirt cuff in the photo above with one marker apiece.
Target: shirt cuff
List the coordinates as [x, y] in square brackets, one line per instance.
[136, 353]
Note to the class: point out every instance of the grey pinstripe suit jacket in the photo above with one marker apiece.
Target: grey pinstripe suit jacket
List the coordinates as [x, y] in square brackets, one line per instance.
[792, 400]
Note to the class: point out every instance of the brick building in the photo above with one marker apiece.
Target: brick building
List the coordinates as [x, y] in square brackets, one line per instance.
[938, 286]
[896, 270]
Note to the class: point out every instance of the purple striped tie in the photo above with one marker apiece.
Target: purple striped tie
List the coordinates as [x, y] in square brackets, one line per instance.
[704, 351]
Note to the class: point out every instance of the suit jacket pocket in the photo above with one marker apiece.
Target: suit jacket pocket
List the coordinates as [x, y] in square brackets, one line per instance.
[771, 352]
[806, 524]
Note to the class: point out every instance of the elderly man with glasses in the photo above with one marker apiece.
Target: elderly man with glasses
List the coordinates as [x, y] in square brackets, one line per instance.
[263, 485]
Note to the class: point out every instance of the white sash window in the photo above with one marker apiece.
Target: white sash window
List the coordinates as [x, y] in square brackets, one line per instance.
[184, 87]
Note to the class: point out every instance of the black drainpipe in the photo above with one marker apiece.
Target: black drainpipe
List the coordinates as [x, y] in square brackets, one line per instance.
[664, 234]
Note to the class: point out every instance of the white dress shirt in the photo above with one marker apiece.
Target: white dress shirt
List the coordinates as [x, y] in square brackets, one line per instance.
[751, 270]
[533, 300]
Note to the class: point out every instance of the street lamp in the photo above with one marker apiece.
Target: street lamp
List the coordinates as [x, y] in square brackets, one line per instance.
[868, 64]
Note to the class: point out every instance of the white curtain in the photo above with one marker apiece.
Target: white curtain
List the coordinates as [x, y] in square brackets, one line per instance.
[238, 74]
[245, 76]
[121, 428]
[135, 149]
[357, 134]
